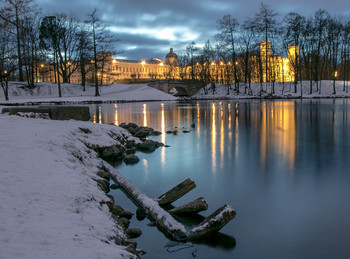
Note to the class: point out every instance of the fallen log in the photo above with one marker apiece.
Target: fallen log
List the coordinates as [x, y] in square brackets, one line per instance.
[177, 192]
[213, 223]
[162, 218]
[195, 206]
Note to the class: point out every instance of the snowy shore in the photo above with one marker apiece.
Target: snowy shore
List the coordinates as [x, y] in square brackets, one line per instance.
[50, 204]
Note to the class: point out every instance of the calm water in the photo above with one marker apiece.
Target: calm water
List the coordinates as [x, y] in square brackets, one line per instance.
[284, 166]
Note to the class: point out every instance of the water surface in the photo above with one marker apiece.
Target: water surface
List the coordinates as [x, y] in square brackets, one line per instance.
[284, 166]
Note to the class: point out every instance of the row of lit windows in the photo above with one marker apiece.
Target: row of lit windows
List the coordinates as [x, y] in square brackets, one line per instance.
[136, 69]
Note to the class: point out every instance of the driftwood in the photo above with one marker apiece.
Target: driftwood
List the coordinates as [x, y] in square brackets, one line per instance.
[164, 220]
[195, 206]
[213, 223]
[177, 192]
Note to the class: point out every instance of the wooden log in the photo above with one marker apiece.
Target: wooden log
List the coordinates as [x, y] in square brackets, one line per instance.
[162, 218]
[195, 206]
[177, 192]
[213, 223]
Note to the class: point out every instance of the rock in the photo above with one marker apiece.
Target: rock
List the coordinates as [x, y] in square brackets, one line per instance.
[186, 131]
[193, 125]
[141, 214]
[166, 146]
[124, 222]
[157, 133]
[114, 186]
[143, 132]
[131, 249]
[105, 175]
[149, 145]
[103, 185]
[126, 214]
[115, 209]
[111, 152]
[175, 132]
[169, 132]
[131, 125]
[133, 232]
[129, 242]
[110, 197]
[131, 159]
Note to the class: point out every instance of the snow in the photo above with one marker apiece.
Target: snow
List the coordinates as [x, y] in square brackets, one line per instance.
[49, 202]
[285, 90]
[73, 93]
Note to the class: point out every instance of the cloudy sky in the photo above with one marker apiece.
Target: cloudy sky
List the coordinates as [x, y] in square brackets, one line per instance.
[148, 28]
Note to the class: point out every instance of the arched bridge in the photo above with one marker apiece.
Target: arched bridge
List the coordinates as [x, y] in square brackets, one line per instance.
[178, 87]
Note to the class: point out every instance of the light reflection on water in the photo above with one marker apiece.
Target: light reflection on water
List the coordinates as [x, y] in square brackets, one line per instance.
[283, 165]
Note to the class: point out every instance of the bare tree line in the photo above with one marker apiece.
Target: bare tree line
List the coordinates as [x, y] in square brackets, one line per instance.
[61, 44]
[28, 39]
[323, 41]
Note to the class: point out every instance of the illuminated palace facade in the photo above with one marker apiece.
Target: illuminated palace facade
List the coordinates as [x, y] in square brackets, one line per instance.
[279, 69]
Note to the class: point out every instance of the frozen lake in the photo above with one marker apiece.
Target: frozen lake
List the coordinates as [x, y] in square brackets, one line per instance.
[284, 166]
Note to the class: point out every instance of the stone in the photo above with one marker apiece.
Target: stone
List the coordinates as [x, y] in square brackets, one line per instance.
[124, 222]
[157, 133]
[133, 232]
[103, 185]
[131, 125]
[115, 209]
[129, 242]
[131, 249]
[126, 214]
[131, 159]
[104, 174]
[111, 152]
[169, 132]
[186, 131]
[149, 145]
[140, 214]
[114, 186]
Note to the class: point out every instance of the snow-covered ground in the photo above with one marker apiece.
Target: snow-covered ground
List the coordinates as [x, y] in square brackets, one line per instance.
[285, 90]
[49, 203]
[48, 92]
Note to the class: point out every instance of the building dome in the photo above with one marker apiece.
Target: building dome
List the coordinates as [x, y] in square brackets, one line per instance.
[171, 58]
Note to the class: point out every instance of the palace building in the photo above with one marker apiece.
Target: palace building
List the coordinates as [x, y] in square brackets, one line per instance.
[111, 70]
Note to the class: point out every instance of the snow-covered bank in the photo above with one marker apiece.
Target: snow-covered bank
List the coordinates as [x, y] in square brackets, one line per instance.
[282, 91]
[50, 206]
[73, 93]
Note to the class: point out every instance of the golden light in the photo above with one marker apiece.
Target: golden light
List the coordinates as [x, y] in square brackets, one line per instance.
[143, 62]
[114, 61]
[335, 73]
[42, 65]
[213, 63]
[221, 63]
[197, 64]
[229, 63]
[5, 71]
[69, 63]
[161, 64]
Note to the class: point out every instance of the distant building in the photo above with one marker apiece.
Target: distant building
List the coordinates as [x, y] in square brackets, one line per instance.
[112, 70]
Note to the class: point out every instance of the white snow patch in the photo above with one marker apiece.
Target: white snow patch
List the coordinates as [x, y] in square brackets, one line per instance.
[49, 204]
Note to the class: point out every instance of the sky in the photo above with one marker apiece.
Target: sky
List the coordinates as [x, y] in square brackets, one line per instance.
[149, 28]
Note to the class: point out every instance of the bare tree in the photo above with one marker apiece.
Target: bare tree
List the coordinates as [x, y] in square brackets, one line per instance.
[13, 12]
[228, 27]
[266, 22]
